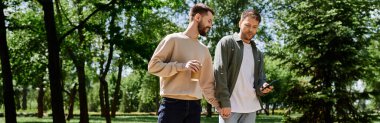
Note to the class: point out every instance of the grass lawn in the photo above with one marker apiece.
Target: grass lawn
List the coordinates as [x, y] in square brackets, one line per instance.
[137, 119]
[141, 119]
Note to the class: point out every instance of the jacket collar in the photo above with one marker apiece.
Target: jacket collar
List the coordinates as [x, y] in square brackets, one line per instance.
[237, 38]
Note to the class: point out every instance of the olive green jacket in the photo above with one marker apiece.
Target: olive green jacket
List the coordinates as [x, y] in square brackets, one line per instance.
[227, 63]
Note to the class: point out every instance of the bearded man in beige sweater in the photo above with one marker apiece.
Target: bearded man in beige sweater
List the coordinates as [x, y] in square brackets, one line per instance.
[176, 57]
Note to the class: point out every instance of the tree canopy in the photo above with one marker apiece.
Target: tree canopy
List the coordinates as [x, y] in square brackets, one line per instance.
[93, 55]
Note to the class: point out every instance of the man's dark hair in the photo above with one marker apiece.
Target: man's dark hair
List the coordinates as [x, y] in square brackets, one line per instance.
[251, 13]
[201, 9]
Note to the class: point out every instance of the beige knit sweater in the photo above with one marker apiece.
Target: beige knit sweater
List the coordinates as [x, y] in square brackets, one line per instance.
[168, 62]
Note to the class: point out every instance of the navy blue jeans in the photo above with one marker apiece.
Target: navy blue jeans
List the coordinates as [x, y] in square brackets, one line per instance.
[179, 111]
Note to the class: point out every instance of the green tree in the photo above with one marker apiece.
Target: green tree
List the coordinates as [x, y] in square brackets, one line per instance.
[77, 52]
[54, 62]
[132, 85]
[372, 77]
[8, 92]
[276, 71]
[117, 82]
[326, 41]
[27, 44]
[226, 19]
[139, 43]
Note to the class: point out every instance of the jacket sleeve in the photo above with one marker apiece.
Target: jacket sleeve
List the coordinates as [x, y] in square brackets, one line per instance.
[160, 64]
[262, 76]
[220, 73]
[207, 82]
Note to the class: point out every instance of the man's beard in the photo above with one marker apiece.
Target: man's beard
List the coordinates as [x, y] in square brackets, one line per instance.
[202, 29]
[247, 36]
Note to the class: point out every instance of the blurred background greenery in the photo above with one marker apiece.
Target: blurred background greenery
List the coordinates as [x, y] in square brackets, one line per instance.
[325, 55]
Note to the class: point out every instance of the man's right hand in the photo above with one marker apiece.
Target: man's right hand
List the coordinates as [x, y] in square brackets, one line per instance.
[218, 109]
[193, 65]
[225, 112]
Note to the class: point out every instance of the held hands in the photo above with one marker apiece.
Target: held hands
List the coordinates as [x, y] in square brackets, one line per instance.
[218, 109]
[224, 112]
[193, 65]
[266, 89]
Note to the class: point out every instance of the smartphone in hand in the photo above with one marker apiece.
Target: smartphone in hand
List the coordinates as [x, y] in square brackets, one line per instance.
[270, 84]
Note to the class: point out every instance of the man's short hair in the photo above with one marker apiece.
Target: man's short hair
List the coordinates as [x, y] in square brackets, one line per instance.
[251, 13]
[201, 9]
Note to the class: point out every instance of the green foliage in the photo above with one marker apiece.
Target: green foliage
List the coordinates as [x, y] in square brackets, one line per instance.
[139, 118]
[1, 90]
[27, 48]
[93, 97]
[144, 32]
[321, 49]
[149, 93]
[276, 71]
[373, 74]
[326, 41]
[227, 17]
[93, 119]
[27, 45]
[140, 92]
[131, 88]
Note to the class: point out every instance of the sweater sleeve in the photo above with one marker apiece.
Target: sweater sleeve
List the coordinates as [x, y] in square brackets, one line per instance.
[220, 73]
[207, 81]
[160, 63]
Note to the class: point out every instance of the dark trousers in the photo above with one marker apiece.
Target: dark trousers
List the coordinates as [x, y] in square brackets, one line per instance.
[179, 111]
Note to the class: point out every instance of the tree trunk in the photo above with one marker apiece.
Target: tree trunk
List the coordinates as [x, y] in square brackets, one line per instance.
[84, 118]
[328, 105]
[328, 113]
[18, 102]
[73, 92]
[274, 108]
[209, 111]
[79, 63]
[24, 98]
[103, 73]
[101, 98]
[101, 90]
[82, 77]
[40, 100]
[103, 82]
[8, 92]
[267, 108]
[53, 66]
[107, 102]
[58, 11]
[116, 95]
